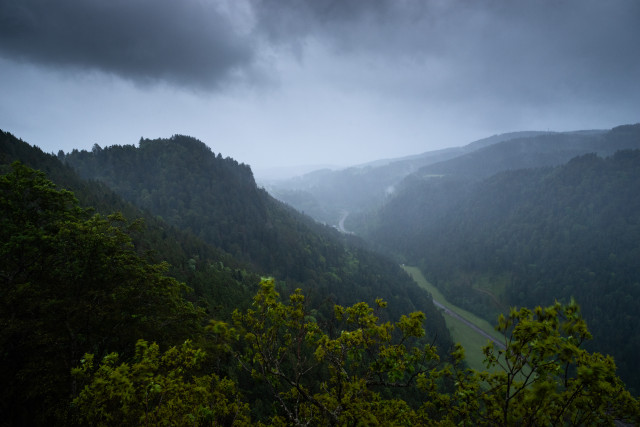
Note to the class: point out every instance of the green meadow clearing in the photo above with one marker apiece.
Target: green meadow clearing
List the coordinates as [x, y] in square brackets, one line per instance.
[461, 333]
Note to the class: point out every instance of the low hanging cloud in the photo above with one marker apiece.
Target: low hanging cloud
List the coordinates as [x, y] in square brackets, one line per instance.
[187, 42]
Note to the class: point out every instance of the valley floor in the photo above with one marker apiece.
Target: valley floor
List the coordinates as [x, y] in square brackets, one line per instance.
[466, 328]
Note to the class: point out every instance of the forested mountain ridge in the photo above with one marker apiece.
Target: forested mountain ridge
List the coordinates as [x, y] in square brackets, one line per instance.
[223, 208]
[216, 198]
[548, 149]
[531, 236]
[221, 283]
[92, 333]
[301, 252]
[161, 175]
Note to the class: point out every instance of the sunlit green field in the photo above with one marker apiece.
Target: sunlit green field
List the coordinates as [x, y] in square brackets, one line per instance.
[460, 332]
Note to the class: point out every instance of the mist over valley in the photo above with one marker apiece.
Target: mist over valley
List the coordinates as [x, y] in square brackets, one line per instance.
[275, 212]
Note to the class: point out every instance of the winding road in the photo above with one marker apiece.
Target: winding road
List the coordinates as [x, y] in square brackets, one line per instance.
[343, 217]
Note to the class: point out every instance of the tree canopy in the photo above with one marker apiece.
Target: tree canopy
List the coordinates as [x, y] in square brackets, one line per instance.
[71, 282]
[93, 333]
[351, 374]
[184, 182]
[528, 237]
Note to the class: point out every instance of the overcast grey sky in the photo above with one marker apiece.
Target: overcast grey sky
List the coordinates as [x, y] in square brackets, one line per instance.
[289, 82]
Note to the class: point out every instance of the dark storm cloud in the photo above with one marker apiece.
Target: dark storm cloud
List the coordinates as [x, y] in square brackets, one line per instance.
[449, 26]
[187, 42]
[520, 51]
[292, 18]
[347, 24]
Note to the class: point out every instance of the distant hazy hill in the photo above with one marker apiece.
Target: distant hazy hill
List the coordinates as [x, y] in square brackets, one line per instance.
[525, 237]
[535, 151]
[325, 194]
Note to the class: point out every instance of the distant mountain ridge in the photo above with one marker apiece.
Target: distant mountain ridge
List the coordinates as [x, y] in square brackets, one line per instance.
[548, 149]
[325, 194]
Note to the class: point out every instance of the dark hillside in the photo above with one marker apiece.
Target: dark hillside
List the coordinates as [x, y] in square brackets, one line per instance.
[162, 175]
[181, 180]
[220, 282]
[529, 237]
[60, 311]
[93, 333]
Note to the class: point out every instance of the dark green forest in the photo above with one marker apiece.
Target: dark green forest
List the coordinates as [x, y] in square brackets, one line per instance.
[302, 253]
[219, 280]
[183, 182]
[531, 236]
[109, 315]
[80, 305]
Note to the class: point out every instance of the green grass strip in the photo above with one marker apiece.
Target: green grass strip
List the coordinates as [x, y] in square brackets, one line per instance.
[470, 339]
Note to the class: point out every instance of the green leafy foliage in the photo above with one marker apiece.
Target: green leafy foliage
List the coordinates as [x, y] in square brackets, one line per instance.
[156, 388]
[344, 375]
[71, 282]
[350, 375]
[317, 377]
[545, 376]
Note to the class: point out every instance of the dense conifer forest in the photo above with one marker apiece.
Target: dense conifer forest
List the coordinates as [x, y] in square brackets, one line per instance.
[188, 186]
[530, 236]
[319, 213]
[112, 316]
